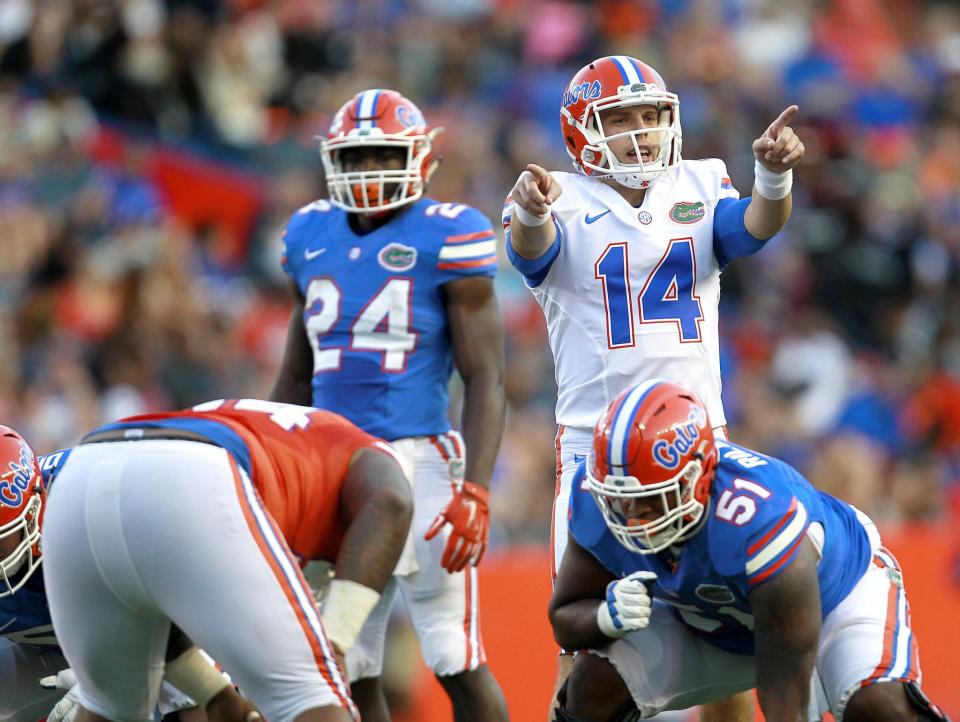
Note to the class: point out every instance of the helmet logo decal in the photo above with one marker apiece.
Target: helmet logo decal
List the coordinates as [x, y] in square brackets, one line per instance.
[668, 453]
[585, 91]
[397, 257]
[687, 212]
[409, 116]
[11, 489]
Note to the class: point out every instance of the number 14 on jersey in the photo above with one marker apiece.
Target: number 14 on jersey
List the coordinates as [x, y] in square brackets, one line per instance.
[668, 296]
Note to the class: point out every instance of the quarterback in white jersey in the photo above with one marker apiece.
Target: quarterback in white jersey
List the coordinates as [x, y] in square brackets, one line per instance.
[625, 255]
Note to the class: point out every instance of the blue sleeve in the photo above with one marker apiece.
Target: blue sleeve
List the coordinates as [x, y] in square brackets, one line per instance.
[469, 246]
[534, 270]
[731, 239]
[300, 227]
[757, 527]
[587, 526]
[49, 463]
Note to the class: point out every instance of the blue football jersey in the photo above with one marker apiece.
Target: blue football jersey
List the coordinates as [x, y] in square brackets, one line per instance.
[24, 615]
[758, 512]
[374, 309]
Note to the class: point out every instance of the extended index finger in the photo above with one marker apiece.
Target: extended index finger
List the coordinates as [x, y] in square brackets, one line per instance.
[781, 122]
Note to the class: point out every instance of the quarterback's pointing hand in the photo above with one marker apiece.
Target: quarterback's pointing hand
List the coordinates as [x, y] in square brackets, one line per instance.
[535, 190]
[469, 517]
[779, 149]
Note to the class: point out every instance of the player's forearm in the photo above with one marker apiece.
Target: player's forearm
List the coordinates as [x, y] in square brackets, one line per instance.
[484, 409]
[783, 689]
[765, 218]
[784, 663]
[531, 241]
[786, 612]
[575, 625]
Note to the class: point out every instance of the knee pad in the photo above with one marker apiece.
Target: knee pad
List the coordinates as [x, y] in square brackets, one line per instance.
[445, 654]
[922, 704]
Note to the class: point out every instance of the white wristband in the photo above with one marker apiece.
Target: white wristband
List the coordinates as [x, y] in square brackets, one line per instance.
[772, 186]
[528, 219]
[346, 608]
[193, 675]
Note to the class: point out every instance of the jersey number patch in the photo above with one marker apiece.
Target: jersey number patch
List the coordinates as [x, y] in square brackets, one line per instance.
[668, 296]
[383, 325]
[738, 509]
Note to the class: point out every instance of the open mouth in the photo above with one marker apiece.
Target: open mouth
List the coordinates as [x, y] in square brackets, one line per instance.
[645, 155]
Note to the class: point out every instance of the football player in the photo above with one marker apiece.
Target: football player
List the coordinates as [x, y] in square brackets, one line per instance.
[28, 649]
[697, 568]
[624, 256]
[202, 518]
[33, 671]
[390, 289]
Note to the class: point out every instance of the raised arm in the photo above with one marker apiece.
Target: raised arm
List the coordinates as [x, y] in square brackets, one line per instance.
[530, 232]
[777, 151]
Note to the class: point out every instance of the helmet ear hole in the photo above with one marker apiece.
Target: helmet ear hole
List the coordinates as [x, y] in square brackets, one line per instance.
[571, 142]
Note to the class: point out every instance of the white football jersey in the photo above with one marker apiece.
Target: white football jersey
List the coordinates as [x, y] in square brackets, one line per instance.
[633, 292]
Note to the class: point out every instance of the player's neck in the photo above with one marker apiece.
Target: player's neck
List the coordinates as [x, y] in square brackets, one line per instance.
[364, 223]
[633, 196]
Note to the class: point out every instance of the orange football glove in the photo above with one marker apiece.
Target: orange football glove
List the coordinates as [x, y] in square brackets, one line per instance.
[469, 517]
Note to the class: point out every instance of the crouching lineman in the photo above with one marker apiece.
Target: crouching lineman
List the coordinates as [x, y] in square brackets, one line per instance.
[33, 671]
[697, 569]
[200, 519]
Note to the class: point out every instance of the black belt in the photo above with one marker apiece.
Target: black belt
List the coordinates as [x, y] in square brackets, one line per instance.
[142, 433]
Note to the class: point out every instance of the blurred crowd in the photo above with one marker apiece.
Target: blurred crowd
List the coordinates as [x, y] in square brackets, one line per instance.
[151, 151]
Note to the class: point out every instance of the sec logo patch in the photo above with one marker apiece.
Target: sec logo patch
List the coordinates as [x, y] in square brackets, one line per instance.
[645, 217]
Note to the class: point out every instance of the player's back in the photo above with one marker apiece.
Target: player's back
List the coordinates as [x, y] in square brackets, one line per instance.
[633, 292]
[761, 509]
[296, 456]
[374, 309]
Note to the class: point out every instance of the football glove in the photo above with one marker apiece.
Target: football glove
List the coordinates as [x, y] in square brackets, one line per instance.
[171, 699]
[469, 517]
[66, 709]
[628, 605]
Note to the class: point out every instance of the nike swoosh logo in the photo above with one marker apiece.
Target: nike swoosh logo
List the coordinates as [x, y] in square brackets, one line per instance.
[310, 255]
[592, 219]
[577, 458]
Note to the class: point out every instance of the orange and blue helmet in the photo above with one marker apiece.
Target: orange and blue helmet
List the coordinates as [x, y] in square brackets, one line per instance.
[378, 118]
[651, 465]
[619, 81]
[21, 511]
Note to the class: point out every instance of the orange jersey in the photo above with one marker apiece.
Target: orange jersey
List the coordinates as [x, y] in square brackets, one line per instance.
[296, 456]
